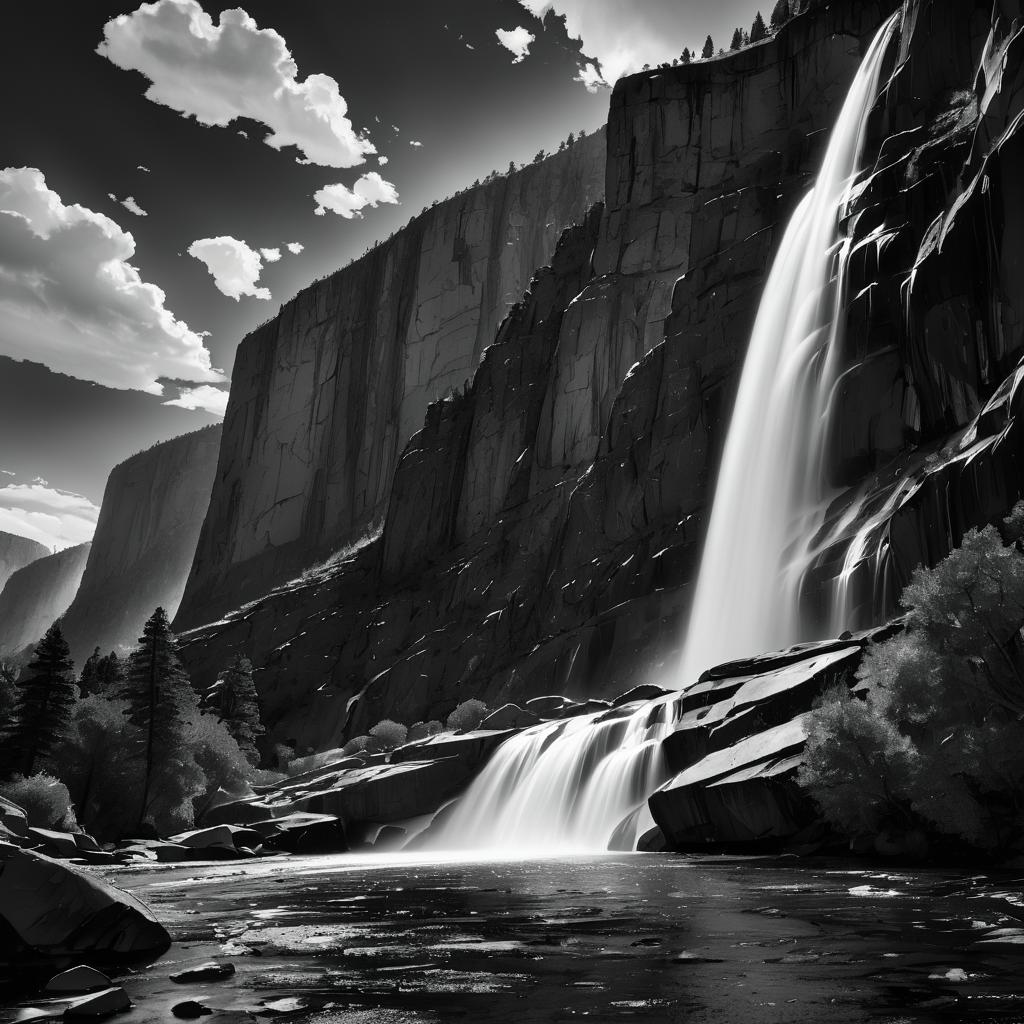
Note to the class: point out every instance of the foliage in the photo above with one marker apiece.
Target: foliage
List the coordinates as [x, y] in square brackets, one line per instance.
[389, 734]
[283, 754]
[758, 31]
[161, 703]
[467, 716]
[709, 48]
[356, 745]
[44, 799]
[686, 57]
[8, 692]
[42, 710]
[737, 40]
[233, 698]
[424, 730]
[88, 680]
[101, 674]
[939, 739]
[223, 763]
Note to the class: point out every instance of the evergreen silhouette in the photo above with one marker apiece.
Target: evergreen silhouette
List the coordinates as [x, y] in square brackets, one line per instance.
[737, 40]
[233, 698]
[758, 30]
[88, 681]
[160, 700]
[686, 57]
[110, 675]
[781, 14]
[42, 709]
[709, 48]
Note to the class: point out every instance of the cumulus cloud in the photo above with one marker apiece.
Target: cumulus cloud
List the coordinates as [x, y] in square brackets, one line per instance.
[295, 248]
[234, 265]
[219, 72]
[69, 297]
[58, 519]
[129, 204]
[382, 160]
[370, 190]
[271, 255]
[208, 399]
[517, 41]
[416, 143]
[617, 44]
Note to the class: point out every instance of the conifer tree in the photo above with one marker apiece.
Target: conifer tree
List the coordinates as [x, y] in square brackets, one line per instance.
[780, 15]
[42, 709]
[709, 48]
[758, 30]
[88, 681]
[233, 698]
[110, 675]
[686, 57]
[160, 701]
[737, 40]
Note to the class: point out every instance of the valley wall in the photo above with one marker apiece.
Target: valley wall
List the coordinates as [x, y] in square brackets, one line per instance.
[17, 552]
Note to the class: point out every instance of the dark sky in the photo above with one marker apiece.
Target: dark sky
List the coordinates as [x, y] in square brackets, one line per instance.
[86, 125]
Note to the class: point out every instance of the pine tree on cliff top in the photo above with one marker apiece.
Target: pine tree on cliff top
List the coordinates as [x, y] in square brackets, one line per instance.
[160, 700]
[709, 48]
[233, 698]
[686, 56]
[758, 30]
[42, 710]
[737, 40]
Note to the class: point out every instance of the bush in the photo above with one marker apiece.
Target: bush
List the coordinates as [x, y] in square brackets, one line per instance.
[283, 755]
[221, 760]
[389, 734]
[424, 730]
[44, 799]
[467, 716]
[356, 745]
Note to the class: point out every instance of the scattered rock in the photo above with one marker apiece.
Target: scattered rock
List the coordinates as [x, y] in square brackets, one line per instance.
[211, 971]
[77, 979]
[686, 957]
[645, 691]
[100, 1005]
[190, 1010]
[230, 839]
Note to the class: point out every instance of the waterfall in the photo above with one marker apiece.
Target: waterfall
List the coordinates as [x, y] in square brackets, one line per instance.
[568, 786]
[772, 487]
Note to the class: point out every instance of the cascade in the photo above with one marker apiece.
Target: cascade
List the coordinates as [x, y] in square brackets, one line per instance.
[568, 786]
[772, 487]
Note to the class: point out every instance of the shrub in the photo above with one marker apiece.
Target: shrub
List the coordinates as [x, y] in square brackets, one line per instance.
[356, 745]
[389, 734]
[282, 755]
[423, 730]
[467, 716]
[220, 758]
[44, 799]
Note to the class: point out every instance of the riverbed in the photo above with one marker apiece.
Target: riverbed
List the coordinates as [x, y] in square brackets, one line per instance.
[402, 939]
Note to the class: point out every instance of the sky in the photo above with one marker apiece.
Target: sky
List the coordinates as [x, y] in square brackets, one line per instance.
[174, 171]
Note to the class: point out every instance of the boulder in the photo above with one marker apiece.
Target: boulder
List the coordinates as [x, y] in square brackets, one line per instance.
[509, 716]
[210, 971]
[471, 748]
[54, 910]
[77, 979]
[645, 691]
[190, 1009]
[55, 844]
[231, 839]
[99, 1005]
[158, 850]
[303, 833]
[13, 818]
[554, 706]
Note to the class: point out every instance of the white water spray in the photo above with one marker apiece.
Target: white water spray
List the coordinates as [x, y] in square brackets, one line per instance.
[772, 488]
[566, 787]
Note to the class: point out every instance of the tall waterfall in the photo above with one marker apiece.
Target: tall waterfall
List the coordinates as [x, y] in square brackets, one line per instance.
[772, 487]
[567, 786]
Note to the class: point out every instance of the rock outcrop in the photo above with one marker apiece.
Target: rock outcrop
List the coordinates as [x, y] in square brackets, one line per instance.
[35, 596]
[325, 396]
[150, 518]
[17, 552]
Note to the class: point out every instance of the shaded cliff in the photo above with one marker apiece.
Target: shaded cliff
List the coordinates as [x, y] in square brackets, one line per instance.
[152, 511]
[37, 595]
[325, 396]
[17, 552]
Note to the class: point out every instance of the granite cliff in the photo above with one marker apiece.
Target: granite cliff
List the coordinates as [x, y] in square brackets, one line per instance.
[325, 396]
[17, 552]
[152, 511]
[35, 596]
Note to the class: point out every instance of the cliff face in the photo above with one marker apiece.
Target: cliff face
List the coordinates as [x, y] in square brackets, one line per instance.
[37, 595]
[17, 552]
[325, 396]
[152, 511]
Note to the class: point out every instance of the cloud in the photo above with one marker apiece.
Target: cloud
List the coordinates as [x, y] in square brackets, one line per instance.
[619, 38]
[235, 267]
[143, 168]
[517, 41]
[209, 399]
[69, 298]
[129, 204]
[271, 255]
[370, 190]
[217, 73]
[58, 519]
[382, 160]
[295, 248]
[414, 142]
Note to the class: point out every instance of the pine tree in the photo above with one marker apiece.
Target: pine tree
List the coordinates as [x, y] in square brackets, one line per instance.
[709, 49]
[88, 681]
[757, 30]
[233, 698]
[737, 40]
[686, 57]
[110, 675]
[42, 710]
[160, 701]
[780, 15]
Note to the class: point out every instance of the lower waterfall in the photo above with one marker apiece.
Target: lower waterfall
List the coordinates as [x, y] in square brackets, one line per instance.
[570, 786]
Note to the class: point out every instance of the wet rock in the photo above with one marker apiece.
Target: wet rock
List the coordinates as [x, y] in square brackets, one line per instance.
[77, 979]
[55, 844]
[230, 839]
[645, 691]
[57, 911]
[554, 706]
[211, 971]
[190, 1010]
[471, 748]
[13, 818]
[158, 850]
[687, 957]
[99, 1006]
[303, 833]
[652, 841]
[510, 716]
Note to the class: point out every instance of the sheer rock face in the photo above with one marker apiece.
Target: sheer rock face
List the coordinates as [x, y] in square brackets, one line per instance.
[17, 552]
[152, 511]
[544, 527]
[325, 397]
[35, 596]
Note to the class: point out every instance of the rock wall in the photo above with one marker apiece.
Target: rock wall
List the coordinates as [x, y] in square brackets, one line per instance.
[152, 511]
[17, 552]
[37, 595]
[325, 396]
[544, 527]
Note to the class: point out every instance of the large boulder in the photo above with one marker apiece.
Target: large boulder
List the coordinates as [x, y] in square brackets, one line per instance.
[220, 839]
[509, 716]
[56, 912]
